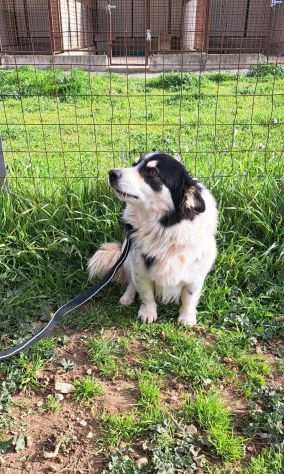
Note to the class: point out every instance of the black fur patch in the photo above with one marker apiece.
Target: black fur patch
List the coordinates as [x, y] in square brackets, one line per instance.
[184, 211]
[151, 177]
[172, 174]
[148, 261]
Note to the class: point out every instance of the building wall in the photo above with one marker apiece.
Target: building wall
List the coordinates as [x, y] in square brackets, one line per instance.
[8, 38]
[233, 27]
[201, 25]
[129, 22]
[25, 25]
[55, 25]
[77, 24]
[276, 39]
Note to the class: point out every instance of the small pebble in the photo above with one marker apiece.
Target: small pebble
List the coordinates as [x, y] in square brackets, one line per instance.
[192, 429]
[89, 371]
[90, 435]
[29, 441]
[83, 423]
[52, 468]
[142, 462]
[59, 397]
[274, 121]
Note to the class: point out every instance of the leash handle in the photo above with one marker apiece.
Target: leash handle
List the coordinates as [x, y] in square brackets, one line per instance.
[73, 304]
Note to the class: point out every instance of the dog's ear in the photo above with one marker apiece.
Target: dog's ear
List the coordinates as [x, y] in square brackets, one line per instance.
[178, 157]
[192, 203]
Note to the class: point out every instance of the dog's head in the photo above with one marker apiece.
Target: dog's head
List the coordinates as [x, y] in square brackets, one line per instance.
[159, 181]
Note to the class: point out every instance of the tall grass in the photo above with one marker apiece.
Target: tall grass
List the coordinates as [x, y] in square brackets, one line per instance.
[62, 131]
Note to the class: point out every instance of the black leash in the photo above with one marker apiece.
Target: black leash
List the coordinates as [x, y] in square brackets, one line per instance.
[73, 304]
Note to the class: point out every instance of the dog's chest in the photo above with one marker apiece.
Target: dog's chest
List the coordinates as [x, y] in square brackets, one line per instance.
[168, 267]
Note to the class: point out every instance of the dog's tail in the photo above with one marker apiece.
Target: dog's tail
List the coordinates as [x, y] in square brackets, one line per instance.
[104, 259]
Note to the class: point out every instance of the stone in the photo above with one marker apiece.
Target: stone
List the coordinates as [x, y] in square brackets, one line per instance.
[64, 387]
[59, 397]
[142, 462]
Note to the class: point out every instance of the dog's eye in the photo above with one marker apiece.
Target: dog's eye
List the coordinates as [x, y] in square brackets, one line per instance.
[152, 171]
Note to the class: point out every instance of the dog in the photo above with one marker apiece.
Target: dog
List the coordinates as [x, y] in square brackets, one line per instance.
[174, 218]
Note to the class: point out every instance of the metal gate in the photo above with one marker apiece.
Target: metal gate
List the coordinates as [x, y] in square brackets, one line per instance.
[129, 36]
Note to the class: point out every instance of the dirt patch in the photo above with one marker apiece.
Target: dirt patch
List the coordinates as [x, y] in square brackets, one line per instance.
[174, 393]
[119, 397]
[72, 431]
[236, 404]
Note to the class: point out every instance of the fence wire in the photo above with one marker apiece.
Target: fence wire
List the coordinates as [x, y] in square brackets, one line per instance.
[90, 85]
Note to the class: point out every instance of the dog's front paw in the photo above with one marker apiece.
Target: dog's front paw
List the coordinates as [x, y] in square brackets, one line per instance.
[147, 313]
[126, 299]
[187, 319]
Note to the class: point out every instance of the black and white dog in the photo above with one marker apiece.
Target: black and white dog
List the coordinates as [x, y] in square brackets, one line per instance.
[174, 244]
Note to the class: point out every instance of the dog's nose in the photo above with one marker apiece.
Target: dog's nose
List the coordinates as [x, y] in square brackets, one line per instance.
[114, 175]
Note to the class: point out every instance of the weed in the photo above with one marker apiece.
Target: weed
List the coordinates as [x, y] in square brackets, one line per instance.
[255, 367]
[44, 349]
[264, 70]
[52, 404]
[105, 352]
[67, 364]
[87, 388]
[169, 450]
[119, 428]
[102, 351]
[176, 81]
[181, 452]
[149, 392]
[29, 372]
[269, 461]
[184, 356]
[266, 419]
[220, 77]
[120, 463]
[281, 366]
[28, 81]
[149, 401]
[210, 413]
[230, 343]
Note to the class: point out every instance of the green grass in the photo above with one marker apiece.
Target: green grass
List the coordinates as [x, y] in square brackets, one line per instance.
[146, 416]
[149, 404]
[269, 461]
[209, 412]
[149, 390]
[103, 352]
[62, 132]
[87, 388]
[256, 369]
[52, 404]
[184, 356]
[281, 366]
[119, 428]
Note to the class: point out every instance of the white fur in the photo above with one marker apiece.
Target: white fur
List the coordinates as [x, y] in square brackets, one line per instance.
[184, 253]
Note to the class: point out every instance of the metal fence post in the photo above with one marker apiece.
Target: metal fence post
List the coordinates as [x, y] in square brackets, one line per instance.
[3, 183]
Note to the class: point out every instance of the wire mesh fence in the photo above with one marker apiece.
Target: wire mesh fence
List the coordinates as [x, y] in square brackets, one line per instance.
[97, 86]
[63, 122]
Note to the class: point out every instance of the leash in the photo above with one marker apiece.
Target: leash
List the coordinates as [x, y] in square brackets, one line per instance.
[74, 303]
